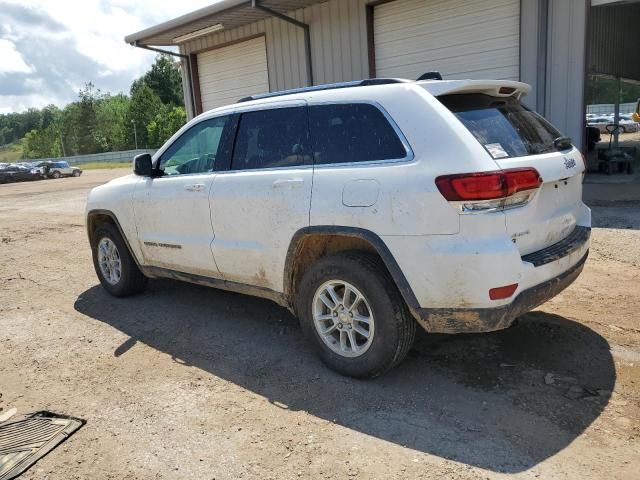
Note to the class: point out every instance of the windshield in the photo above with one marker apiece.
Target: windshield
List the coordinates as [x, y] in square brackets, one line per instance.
[503, 126]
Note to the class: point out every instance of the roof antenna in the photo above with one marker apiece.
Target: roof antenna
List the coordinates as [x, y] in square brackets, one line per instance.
[435, 75]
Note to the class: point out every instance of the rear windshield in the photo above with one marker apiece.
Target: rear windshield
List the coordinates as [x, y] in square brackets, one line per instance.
[503, 126]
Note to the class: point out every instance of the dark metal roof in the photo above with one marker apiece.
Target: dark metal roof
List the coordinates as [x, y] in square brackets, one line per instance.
[230, 13]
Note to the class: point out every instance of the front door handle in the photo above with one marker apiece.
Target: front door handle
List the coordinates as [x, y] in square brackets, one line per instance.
[289, 182]
[196, 187]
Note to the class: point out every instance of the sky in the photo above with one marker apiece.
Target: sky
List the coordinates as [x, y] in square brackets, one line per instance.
[50, 48]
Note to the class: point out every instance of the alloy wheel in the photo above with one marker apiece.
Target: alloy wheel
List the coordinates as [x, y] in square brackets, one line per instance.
[109, 261]
[343, 318]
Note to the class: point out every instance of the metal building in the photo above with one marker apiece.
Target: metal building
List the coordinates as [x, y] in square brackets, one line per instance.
[236, 48]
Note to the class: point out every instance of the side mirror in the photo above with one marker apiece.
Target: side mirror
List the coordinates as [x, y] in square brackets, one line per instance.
[142, 165]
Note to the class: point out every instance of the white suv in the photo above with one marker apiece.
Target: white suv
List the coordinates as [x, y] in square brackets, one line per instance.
[365, 208]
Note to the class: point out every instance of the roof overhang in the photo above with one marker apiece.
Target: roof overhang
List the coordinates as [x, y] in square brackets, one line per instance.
[229, 14]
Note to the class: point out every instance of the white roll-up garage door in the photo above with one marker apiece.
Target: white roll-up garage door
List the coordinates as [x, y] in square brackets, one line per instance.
[229, 73]
[460, 39]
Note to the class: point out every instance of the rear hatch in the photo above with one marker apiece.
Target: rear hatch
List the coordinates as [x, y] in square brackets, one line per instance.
[517, 138]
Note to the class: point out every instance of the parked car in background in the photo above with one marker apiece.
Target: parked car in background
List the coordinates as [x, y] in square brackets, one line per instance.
[37, 169]
[17, 173]
[600, 123]
[336, 202]
[606, 124]
[627, 124]
[63, 169]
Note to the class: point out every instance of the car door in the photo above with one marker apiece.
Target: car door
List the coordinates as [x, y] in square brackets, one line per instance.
[172, 211]
[263, 196]
[65, 168]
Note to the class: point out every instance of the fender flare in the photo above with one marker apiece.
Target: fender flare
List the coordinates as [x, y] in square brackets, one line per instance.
[368, 236]
[113, 217]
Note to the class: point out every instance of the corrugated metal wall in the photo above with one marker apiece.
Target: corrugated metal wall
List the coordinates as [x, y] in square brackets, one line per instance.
[338, 44]
[564, 102]
[614, 40]
[339, 51]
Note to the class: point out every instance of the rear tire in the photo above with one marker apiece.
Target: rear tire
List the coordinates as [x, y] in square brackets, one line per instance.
[114, 265]
[75, 173]
[382, 313]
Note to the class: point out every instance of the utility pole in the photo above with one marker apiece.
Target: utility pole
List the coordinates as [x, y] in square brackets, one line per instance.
[135, 133]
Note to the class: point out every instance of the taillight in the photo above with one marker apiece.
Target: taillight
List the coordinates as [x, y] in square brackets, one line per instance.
[487, 185]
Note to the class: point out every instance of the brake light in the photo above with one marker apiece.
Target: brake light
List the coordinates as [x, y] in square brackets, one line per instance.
[488, 185]
[506, 90]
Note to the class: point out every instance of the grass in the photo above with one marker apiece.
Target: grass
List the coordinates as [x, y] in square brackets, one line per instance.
[103, 165]
[11, 152]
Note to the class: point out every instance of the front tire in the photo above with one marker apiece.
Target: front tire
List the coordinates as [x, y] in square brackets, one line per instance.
[55, 174]
[352, 312]
[114, 265]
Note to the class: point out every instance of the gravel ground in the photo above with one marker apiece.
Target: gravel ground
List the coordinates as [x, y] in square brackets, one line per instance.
[188, 382]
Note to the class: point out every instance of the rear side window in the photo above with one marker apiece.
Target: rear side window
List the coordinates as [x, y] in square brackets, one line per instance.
[272, 138]
[358, 132]
[503, 126]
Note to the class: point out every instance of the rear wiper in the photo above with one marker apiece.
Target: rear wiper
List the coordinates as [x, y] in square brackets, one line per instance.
[562, 143]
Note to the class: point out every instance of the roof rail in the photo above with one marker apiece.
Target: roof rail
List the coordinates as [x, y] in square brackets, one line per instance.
[327, 86]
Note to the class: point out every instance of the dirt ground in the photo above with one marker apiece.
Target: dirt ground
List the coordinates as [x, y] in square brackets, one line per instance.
[192, 383]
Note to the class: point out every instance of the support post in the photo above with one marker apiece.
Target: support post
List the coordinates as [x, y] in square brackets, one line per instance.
[616, 113]
[186, 60]
[307, 35]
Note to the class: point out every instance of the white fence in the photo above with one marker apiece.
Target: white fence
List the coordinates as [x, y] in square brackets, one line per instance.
[608, 108]
[108, 157]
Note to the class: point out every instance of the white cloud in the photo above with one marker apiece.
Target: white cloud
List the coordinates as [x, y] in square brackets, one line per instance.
[10, 59]
[63, 44]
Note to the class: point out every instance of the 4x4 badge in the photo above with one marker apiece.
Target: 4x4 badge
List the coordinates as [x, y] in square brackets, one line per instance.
[569, 163]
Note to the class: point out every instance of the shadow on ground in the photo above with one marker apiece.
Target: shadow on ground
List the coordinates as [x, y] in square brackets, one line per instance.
[477, 399]
[623, 216]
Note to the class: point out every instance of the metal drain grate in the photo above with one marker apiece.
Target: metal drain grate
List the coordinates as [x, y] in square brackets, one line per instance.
[24, 442]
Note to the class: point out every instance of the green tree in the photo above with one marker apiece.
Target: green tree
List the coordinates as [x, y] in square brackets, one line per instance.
[86, 121]
[42, 143]
[49, 115]
[143, 108]
[69, 120]
[100, 122]
[602, 89]
[165, 124]
[112, 130]
[164, 79]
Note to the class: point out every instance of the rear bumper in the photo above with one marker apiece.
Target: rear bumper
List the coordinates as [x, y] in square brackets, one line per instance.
[475, 320]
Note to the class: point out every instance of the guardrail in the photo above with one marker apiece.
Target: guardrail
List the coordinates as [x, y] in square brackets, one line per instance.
[107, 157]
[608, 108]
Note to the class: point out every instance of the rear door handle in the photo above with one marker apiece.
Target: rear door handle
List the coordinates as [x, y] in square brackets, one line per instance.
[289, 182]
[196, 187]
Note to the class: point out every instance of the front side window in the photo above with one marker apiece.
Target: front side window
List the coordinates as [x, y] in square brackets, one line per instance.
[196, 150]
[504, 126]
[358, 132]
[271, 138]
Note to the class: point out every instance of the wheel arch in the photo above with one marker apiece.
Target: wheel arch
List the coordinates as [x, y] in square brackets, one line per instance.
[311, 243]
[98, 217]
